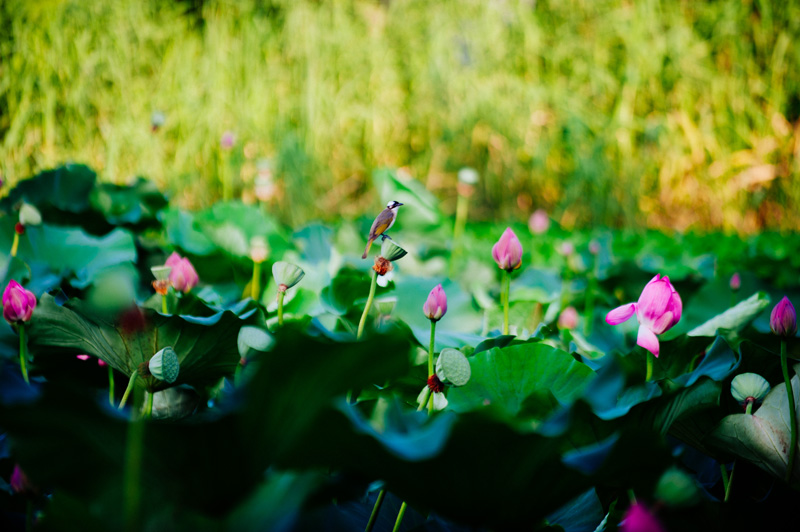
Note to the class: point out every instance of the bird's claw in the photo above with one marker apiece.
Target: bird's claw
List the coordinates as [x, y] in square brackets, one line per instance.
[385, 236]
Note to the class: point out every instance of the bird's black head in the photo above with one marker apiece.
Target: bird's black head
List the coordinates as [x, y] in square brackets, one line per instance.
[393, 204]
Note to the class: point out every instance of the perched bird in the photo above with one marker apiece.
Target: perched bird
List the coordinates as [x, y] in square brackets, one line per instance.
[382, 223]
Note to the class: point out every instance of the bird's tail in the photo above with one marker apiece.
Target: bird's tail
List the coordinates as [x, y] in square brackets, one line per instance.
[369, 245]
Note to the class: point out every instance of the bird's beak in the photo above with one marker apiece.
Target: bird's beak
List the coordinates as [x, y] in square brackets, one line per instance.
[398, 204]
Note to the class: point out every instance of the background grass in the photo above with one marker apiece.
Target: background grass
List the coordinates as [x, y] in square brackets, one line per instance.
[666, 114]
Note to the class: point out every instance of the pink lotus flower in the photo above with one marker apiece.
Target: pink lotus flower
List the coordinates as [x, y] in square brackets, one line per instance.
[658, 310]
[436, 305]
[568, 318]
[539, 222]
[18, 303]
[183, 275]
[639, 518]
[507, 252]
[782, 321]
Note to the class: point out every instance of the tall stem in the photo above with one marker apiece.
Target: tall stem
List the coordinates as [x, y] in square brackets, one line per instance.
[588, 310]
[134, 451]
[164, 308]
[110, 385]
[281, 295]
[430, 359]
[400, 515]
[23, 353]
[131, 382]
[372, 288]
[506, 289]
[649, 358]
[148, 407]
[255, 284]
[792, 415]
[15, 244]
[375, 509]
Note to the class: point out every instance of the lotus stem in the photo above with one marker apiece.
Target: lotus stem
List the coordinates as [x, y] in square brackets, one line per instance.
[164, 307]
[281, 295]
[588, 310]
[363, 321]
[15, 244]
[148, 407]
[131, 382]
[730, 482]
[430, 359]
[23, 354]
[400, 515]
[375, 510]
[110, 385]
[255, 284]
[792, 414]
[649, 373]
[504, 296]
[133, 473]
[723, 470]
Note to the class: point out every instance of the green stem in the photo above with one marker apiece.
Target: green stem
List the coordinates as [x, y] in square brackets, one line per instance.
[23, 353]
[134, 451]
[792, 415]
[430, 358]
[400, 515]
[588, 310]
[110, 385]
[730, 483]
[15, 244]
[164, 308]
[281, 295]
[131, 382]
[372, 288]
[148, 406]
[29, 516]
[255, 284]
[425, 399]
[375, 509]
[649, 374]
[504, 296]
[725, 480]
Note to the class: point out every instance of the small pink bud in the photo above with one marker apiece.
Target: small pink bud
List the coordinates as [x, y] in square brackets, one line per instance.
[507, 252]
[436, 305]
[82, 357]
[539, 222]
[639, 518]
[568, 318]
[736, 282]
[567, 248]
[228, 140]
[101, 362]
[182, 275]
[783, 320]
[18, 303]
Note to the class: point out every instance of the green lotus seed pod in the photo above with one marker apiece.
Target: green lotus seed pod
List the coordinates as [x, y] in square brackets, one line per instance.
[677, 488]
[161, 273]
[385, 305]
[287, 274]
[452, 367]
[164, 365]
[749, 385]
[391, 251]
[29, 215]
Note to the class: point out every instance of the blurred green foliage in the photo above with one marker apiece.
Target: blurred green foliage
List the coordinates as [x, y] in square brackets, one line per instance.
[669, 114]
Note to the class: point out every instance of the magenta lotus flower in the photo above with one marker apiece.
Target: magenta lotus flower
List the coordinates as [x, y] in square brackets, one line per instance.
[782, 321]
[436, 305]
[736, 282]
[182, 275]
[18, 303]
[639, 518]
[539, 222]
[507, 252]
[658, 310]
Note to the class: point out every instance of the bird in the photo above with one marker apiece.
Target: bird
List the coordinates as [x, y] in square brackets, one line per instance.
[382, 223]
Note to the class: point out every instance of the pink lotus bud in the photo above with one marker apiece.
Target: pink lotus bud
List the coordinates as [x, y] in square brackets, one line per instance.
[567, 248]
[736, 282]
[507, 252]
[783, 320]
[82, 357]
[182, 275]
[436, 305]
[659, 308]
[638, 518]
[18, 303]
[568, 318]
[539, 222]
[101, 363]
[228, 140]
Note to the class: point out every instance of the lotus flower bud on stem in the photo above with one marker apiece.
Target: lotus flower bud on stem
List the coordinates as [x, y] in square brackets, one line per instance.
[783, 322]
[182, 276]
[434, 308]
[18, 305]
[507, 253]
[639, 518]
[735, 282]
